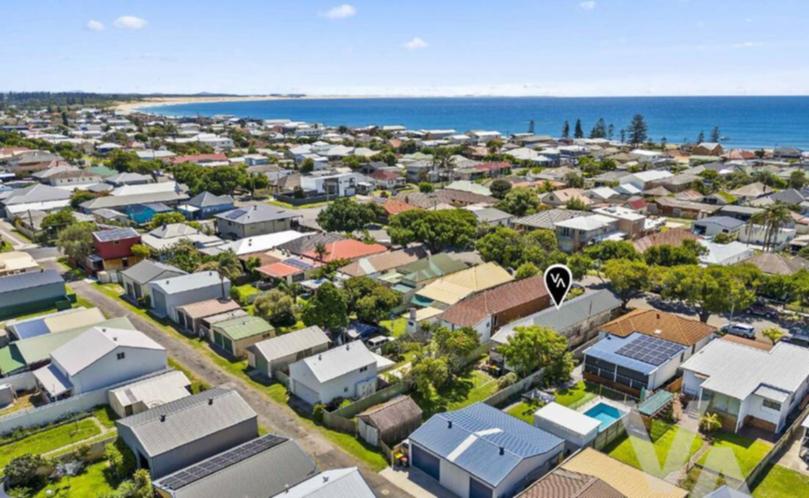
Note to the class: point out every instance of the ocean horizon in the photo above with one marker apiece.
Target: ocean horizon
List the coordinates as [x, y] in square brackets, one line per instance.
[747, 122]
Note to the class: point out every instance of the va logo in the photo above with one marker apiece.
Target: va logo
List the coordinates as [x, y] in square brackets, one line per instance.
[558, 280]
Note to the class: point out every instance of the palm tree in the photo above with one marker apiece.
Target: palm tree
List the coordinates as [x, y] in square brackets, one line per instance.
[772, 219]
[321, 251]
[227, 265]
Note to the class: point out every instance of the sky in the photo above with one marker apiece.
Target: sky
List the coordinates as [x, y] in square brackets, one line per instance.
[417, 47]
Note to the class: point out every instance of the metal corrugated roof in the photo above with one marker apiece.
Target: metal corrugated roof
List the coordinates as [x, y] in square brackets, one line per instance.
[293, 342]
[31, 279]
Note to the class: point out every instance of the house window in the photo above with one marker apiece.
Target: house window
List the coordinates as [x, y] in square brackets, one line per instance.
[772, 405]
[121, 355]
[363, 369]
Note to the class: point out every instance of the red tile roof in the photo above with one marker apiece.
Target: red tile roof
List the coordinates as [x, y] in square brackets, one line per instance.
[493, 166]
[395, 206]
[199, 158]
[673, 237]
[347, 249]
[278, 270]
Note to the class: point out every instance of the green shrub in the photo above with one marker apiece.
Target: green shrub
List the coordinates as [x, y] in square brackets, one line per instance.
[507, 380]
[318, 411]
[26, 471]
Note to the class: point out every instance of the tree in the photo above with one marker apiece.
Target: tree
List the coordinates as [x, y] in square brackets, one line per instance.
[55, 221]
[599, 130]
[184, 255]
[441, 229]
[534, 347]
[227, 265]
[701, 137]
[611, 249]
[628, 277]
[80, 196]
[503, 245]
[724, 238]
[578, 131]
[637, 130]
[576, 204]
[574, 180]
[307, 166]
[426, 187]
[710, 422]
[276, 307]
[141, 251]
[500, 188]
[519, 202]
[455, 345]
[167, 218]
[347, 215]
[76, 240]
[714, 289]
[772, 218]
[797, 179]
[579, 265]
[667, 255]
[26, 471]
[369, 299]
[526, 270]
[566, 130]
[715, 135]
[774, 334]
[327, 308]
[428, 375]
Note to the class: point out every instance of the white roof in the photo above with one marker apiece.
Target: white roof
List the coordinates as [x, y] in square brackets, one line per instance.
[567, 418]
[738, 370]
[293, 342]
[648, 176]
[188, 282]
[339, 361]
[261, 243]
[146, 188]
[95, 343]
[724, 253]
[154, 391]
[620, 212]
[591, 222]
[331, 483]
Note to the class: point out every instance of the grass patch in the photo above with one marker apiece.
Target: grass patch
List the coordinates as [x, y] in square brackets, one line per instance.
[523, 411]
[397, 327]
[577, 395]
[91, 482]
[105, 416]
[353, 446]
[243, 293]
[671, 446]
[49, 439]
[747, 452]
[781, 482]
[278, 392]
[463, 391]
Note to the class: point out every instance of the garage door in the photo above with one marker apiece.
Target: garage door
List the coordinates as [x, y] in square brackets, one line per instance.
[426, 462]
[478, 490]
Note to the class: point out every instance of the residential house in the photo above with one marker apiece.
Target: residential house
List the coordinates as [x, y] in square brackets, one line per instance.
[630, 222]
[98, 358]
[135, 279]
[329, 183]
[149, 393]
[68, 177]
[113, 250]
[166, 236]
[489, 310]
[724, 254]
[575, 233]
[693, 334]
[266, 466]
[170, 293]
[490, 215]
[128, 178]
[633, 363]
[578, 320]
[376, 264]
[778, 264]
[234, 336]
[345, 249]
[481, 451]
[205, 205]
[546, 219]
[288, 270]
[14, 262]
[335, 482]
[31, 291]
[190, 316]
[669, 206]
[38, 197]
[672, 237]
[389, 422]
[592, 474]
[448, 290]
[249, 221]
[747, 385]
[388, 178]
[744, 213]
[707, 149]
[136, 203]
[53, 323]
[714, 225]
[277, 353]
[256, 244]
[188, 430]
[645, 180]
[348, 371]
[559, 198]
[31, 161]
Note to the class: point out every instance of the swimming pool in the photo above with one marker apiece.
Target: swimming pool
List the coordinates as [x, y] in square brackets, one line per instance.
[604, 413]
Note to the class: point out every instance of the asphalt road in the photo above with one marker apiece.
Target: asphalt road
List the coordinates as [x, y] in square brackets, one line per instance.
[278, 419]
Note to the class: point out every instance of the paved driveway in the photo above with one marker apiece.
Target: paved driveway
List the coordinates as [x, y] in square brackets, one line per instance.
[276, 418]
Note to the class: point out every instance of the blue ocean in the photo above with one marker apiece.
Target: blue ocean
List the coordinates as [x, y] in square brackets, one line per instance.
[742, 121]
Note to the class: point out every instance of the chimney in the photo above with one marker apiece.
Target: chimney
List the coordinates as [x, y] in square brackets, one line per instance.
[449, 424]
[163, 418]
[325, 478]
[210, 401]
[502, 451]
[319, 357]
[348, 346]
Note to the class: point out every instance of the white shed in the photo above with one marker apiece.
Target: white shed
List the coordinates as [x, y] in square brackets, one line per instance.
[577, 429]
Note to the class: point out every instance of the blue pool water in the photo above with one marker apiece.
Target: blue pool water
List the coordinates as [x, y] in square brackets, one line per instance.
[743, 121]
[605, 414]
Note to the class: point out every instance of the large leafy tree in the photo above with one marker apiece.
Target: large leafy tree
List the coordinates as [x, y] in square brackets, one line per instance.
[428, 375]
[276, 307]
[611, 249]
[503, 245]
[327, 308]
[369, 299]
[714, 289]
[161, 219]
[519, 202]
[667, 255]
[628, 277]
[227, 264]
[441, 229]
[500, 188]
[455, 345]
[184, 255]
[534, 347]
[347, 215]
[76, 240]
[55, 221]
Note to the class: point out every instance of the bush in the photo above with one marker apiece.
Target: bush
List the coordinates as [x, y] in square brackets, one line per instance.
[121, 460]
[507, 380]
[318, 411]
[27, 471]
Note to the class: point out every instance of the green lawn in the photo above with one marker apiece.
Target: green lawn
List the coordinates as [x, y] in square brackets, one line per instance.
[91, 482]
[278, 392]
[577, 395]
[49, 439]
[781, 482]
[244, 292]
[747, 452]
[105, 416]
[350, 444]
[397, 327]
[669, 445]
[482, 386]
[523, 411]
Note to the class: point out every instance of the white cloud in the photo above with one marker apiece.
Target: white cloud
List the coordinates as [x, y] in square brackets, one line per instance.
[94, 25]
[587, 5]
[340, 12]
[130, 22]
[415, 43]
[747, 44]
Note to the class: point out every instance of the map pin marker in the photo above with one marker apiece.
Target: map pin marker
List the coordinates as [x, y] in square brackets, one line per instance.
[558, 280]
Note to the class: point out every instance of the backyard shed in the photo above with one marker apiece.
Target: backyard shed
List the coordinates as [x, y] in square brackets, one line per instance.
[390, 422]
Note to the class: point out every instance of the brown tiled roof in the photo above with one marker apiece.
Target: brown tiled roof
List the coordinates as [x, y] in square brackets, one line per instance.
[400, 410]
[674, 237]
[378, 263]
[563, 483]
[660, 324]
[747, 342]
[395, 206]
[778, 264]
[209, 307]
[472, 310]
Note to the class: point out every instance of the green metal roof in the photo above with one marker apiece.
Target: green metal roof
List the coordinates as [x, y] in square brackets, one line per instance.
[243, 327]
[10, 360]
[103, 171]
[655, 403]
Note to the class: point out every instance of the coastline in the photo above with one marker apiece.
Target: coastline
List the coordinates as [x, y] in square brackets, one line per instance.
[130, 106]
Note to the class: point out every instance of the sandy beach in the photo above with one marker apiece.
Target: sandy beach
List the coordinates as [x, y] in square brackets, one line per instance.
[133, 106]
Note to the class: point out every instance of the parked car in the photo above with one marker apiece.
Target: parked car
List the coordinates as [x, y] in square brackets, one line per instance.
[762, 310]
[740, 329]
[798, 340]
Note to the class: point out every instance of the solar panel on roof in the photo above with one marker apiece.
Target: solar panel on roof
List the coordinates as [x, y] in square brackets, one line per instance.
[297, 263]
[216, 463]
[650, 350]
[232, 215]
[115, 234]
